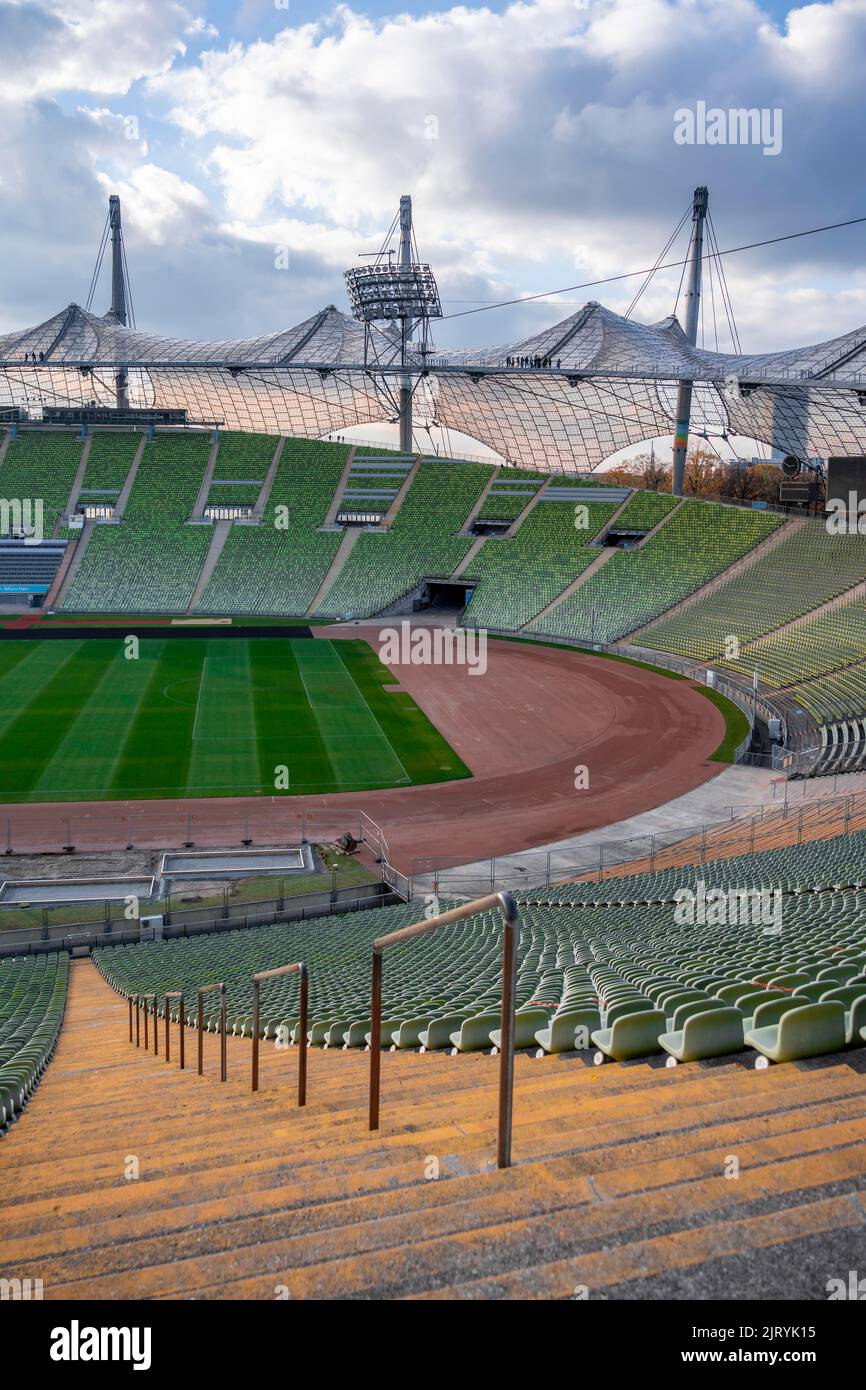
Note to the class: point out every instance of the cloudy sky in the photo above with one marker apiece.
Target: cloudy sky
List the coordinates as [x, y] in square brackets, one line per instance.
[536, 138]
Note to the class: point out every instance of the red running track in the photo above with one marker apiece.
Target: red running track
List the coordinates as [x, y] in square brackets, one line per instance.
[523, 728]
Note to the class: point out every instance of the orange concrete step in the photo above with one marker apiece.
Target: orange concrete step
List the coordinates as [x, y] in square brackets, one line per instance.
[238, 1193]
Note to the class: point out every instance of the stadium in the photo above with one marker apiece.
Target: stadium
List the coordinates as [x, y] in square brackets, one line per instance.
[427, 872]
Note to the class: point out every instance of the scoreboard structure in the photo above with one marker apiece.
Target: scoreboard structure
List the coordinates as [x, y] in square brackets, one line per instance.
[846, 483]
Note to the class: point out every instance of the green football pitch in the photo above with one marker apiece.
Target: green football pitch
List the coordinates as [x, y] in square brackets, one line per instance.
[80, 720]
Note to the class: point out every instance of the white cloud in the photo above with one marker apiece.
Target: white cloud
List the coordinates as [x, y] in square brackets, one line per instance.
[554, 160]
[160, 206]
[87, 45]
[555, 128]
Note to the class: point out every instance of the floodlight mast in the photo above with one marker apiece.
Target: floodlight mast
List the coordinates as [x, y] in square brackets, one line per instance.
[406, 326]
[118, 293]
[693, 301]
[405, 296]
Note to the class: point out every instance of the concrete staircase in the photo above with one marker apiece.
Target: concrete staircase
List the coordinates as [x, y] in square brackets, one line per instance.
[77, 485]
[601, 559]
[469, 556]
[265, 492]
[220, 535]
[344, 550]
[69, 568]
[59, 581]
[126, 1178]
[331, 518]
[466, 530]
[204, 490]
[746, 562]
[123, 498]
[533, 502]
[388, 518]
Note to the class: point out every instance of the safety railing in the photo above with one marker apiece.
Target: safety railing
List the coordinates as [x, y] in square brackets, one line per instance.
[508, 907]
[262, 975]
[175, 994]
[144, 999]
[200, 994]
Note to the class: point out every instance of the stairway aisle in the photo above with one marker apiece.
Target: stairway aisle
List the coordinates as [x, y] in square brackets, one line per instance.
[620, 1173]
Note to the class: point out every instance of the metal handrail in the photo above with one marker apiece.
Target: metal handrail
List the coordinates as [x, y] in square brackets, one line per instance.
[302, 1023]
[510, 921]
[174, 994]
[142, 999]
[208, 989]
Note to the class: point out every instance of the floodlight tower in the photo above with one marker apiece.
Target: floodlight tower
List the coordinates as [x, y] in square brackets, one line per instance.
[693, 301]
[406, 326]
[405, 294]
[118, 293]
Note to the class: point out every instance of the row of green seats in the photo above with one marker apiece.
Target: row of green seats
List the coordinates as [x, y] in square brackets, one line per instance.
[582, 965]
[698, 542]
[421, 541]
[32, 1001]
[40, 467]
[519, 575]
[279, 565]
[151, 560]
[803, 571]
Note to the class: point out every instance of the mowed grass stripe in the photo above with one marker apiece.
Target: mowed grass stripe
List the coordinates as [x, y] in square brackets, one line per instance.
[285, 724]
[85, 761]
[29, 675]
[11, 655]
[40, 727]
[156, 752]
[224, 755]
[359, 751]
[193, 716]
[418, 744]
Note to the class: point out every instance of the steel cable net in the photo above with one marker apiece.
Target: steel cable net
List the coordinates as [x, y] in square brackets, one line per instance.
[562, 400]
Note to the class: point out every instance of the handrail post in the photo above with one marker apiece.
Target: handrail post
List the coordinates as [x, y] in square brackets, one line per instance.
[174, 994]
[506, 1055]
[155, 1028]
[208, 989]
[510, 921]
[302, 1055]
[223, 1009]
[255, 1076]
[146, 1043]
[302, 970]
[375, 1037]
[182, 1020]
[137, 1022]
[129, 999]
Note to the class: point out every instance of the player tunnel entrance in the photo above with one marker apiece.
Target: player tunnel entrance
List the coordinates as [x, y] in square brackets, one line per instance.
[443, 596]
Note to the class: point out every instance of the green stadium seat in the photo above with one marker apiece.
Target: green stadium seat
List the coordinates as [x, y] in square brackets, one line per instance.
[632, 1035]
[809, 1031]
[712, 1033]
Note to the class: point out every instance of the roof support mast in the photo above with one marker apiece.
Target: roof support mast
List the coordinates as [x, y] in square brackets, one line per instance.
[118, 293]
[693, 301]
[406, 326]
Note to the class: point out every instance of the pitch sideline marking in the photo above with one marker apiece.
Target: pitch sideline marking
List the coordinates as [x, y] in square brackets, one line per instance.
[394, 752]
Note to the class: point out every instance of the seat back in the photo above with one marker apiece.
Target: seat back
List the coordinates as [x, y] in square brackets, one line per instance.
[813, 1029]
[774, 1009]
[695, 1006]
